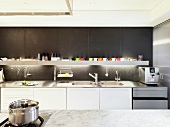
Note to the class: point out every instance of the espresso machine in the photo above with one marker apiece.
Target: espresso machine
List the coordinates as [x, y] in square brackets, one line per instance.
[149, 75]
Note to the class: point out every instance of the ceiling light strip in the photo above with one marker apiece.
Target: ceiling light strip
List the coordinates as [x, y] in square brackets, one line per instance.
[33, 13]
[69, 7]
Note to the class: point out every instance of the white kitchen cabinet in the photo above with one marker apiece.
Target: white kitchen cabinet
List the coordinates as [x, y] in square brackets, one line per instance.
[115, 98]
[9, 95]
[82, 98]
[50, 98]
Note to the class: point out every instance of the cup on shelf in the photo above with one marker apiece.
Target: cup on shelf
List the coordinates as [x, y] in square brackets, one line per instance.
[113, 59]
[90, 59]
[117, 59]
[104, 59]
[82, 59]
[100, 59]
[122, 59]
[77, 59]
[95, 59]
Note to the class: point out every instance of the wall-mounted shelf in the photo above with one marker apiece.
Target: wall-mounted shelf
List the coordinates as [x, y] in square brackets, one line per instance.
[74, 62]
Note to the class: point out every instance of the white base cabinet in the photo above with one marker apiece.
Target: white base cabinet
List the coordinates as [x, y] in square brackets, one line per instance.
[50, 98]
[82, 98]
[9, 95]
[70, 98]
[115, 98]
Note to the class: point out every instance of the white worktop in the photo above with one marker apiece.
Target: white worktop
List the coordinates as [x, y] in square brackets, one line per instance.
[107, 118]
[110, 118]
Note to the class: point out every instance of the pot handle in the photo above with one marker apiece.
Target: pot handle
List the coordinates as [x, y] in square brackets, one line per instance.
[41, 120]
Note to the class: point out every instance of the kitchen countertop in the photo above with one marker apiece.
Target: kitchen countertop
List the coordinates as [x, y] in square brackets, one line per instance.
[79, 84]
[107, 118]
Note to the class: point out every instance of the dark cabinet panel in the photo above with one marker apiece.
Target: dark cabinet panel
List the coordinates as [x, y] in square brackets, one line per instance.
[12, 42]
[104, 42]
[136, 41]
[77, 41]
[73, 42]
[68, 42]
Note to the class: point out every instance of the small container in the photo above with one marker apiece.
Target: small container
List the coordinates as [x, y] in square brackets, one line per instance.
[140, 57]
[77, 59]
[39, 56]
[113, 59]
[117, 59]
[100, 59]
[104, 59]
[90, 59]
[95, 59]
[82, 59]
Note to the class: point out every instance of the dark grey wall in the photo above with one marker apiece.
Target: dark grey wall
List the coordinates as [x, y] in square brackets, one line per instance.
[77, 41]
[128, 73]
[161, 52]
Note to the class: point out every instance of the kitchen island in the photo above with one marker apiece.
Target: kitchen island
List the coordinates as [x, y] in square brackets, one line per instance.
[107, 118]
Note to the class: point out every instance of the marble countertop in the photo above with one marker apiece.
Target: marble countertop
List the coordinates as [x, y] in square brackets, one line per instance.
[107, 118]
[110, 118]
[72, 84]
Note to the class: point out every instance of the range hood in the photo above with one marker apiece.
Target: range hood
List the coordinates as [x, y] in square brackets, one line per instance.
[35, 7]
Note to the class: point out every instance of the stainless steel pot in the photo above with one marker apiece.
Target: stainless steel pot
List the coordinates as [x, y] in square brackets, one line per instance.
[23, 112]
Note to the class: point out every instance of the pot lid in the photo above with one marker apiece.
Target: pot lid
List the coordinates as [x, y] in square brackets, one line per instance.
[23, 103]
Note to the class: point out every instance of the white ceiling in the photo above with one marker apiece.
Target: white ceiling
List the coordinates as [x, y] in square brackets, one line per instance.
[115, 4]
[78, 5]
[86, 12]
[32, 5]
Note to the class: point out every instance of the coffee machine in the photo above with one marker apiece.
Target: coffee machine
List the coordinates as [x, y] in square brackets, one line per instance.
[149, 75]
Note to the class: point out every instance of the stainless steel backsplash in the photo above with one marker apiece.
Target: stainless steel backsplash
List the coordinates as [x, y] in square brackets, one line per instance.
[79, 72]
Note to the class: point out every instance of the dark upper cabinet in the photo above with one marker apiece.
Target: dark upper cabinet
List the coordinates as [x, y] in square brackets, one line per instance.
[77, 41]
[136, 41]
[12, 42]
[68, 42]
[104, 42]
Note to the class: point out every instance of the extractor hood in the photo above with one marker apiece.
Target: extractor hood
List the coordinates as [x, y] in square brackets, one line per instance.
[35, 7]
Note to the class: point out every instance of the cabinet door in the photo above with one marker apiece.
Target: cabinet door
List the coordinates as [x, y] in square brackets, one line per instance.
[50, 98]
[104, 42]
[115, 98]
[9, 95]
[82, 98]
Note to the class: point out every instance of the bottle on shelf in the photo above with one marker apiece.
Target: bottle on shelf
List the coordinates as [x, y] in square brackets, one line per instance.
[58, 57]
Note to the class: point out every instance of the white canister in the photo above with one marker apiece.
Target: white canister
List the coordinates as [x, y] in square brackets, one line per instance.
[2, 75]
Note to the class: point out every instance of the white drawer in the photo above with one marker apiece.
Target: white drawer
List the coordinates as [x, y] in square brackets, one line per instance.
[16, 91]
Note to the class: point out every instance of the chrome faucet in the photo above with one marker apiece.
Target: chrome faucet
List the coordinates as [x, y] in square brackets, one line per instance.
[55, 68]
[95, 76]
[117, 77]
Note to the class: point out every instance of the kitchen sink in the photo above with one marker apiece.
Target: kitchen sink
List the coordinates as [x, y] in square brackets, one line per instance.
[110, 84]
[76, 84]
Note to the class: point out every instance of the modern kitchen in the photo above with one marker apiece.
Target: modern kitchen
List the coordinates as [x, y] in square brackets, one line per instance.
[93, 63]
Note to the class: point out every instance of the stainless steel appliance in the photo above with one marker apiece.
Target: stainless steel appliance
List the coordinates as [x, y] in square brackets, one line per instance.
[23, 112]
[150, 98]
[149, 75]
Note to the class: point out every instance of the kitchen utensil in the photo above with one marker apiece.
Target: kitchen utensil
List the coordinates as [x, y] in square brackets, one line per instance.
[23, 112]
[106, 74]
[2, 75]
